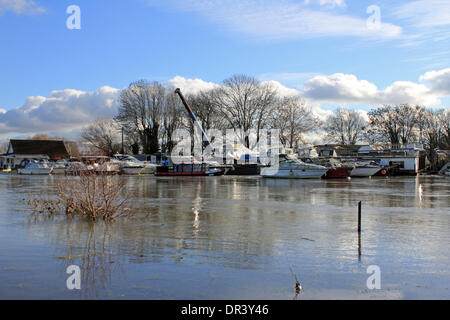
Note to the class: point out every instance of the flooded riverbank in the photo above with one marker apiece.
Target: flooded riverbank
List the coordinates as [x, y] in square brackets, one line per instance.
[234, 238]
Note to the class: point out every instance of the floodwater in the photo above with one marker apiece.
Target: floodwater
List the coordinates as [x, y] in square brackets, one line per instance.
[234, 238]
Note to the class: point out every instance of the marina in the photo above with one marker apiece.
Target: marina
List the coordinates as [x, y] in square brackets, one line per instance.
[214, 157]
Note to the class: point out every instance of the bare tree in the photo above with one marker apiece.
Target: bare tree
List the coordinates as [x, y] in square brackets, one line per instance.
[205, 110]
[395, 124]
[172, 115]
[140, 111]
[72, 148]
[294, 119]
[103, 136]
[245, 103]
[346, 127]
[45, 136]
[436, 125]
[445, 122]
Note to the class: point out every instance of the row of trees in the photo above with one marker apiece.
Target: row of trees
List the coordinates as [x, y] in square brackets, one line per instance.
[391, 126]
[149, 114]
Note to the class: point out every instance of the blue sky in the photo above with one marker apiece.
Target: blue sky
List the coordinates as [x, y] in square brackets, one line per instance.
[322, 48]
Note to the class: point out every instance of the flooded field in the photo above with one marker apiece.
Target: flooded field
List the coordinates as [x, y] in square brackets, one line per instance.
[234, 238]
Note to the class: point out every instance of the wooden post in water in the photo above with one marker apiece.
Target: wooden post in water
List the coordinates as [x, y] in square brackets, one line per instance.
[359, 229]
[359, 216]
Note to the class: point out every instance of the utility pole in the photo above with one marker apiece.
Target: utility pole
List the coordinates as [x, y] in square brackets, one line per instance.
[122, 151]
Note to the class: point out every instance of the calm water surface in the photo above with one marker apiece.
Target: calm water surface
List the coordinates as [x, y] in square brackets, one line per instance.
[234, 238]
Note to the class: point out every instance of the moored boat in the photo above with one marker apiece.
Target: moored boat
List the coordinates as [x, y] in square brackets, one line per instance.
[293, 169]
[35, 168]
[365, 169]
[110, 167]
[149, 168]
[336, 170]
[131, 168]
[338, 173]
[76, 168]
[59, 167]
[244, 170]
[189, 169]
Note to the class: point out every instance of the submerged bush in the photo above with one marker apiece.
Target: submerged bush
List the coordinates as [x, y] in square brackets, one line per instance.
[93, 195]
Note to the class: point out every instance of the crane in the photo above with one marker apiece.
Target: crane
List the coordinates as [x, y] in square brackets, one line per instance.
[195, 121]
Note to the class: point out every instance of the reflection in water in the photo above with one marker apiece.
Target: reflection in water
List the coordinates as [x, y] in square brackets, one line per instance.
[95, 260]
[91, 246]
[196, 209]
[235, 237]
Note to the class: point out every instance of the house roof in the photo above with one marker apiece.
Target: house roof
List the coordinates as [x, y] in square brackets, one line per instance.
[52, 148]
[341, 150]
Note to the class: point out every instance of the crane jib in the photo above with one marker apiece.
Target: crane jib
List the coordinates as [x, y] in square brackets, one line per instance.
[194, 119]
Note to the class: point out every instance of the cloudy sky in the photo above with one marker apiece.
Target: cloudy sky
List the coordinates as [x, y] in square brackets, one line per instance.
[334, 52]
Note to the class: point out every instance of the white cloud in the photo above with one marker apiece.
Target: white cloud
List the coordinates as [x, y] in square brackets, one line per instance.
[424, 13]
[347, 88]
[408, 92]
[293, 79]
[320, 113]
[21, 7]
[61, 111]
[424, 21]
[339, 88]
[328, 3]
[281, 89]
[282, 19]
[190, 86]
[439, 81]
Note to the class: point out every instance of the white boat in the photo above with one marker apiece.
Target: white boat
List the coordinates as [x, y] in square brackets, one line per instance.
[34, 168]
[294, 169]
[112, 166]
[59, 167]
[76, 168]
[365, 169]
[149, 168]
[131, 168]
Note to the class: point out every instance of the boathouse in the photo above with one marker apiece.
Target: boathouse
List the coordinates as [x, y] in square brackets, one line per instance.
[20, 151]
[409, 160]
